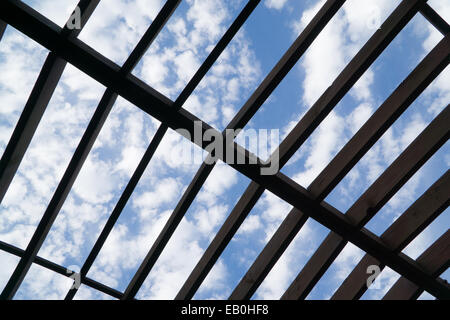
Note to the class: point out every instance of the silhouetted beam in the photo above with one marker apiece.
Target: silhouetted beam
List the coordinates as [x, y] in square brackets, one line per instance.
[390, 181]
[435, 260]
[435, 19]
[61, 270]
[304, 128]
[36, 105]
[106, 72]
[413, 221]
[81, 153]
[156, 140]
[2, 28]
[239, 121]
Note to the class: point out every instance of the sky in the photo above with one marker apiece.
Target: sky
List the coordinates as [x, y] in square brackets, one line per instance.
[114, 29]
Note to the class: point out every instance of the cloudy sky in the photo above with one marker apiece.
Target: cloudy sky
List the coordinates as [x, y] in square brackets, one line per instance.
[191, 33]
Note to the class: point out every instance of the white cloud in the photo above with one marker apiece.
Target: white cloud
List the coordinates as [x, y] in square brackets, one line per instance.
[275, 4]
[95, 183]
[207, 16]
[114, 30]
[208, 219]
[59, 12]
[325, 142]
[250, 224]
[164, 192]
[359, 116]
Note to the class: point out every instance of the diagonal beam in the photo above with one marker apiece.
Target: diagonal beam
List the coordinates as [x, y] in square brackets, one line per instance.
[154, 103]
[247, 111]
[390, 181]
[61, 270]
[435, 19]
[213, 56]
[37, 103]
[312, 119]
[81, 153]
[436, 259]
[413, 221]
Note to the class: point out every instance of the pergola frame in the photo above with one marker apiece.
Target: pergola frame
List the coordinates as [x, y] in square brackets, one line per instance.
[417, 276]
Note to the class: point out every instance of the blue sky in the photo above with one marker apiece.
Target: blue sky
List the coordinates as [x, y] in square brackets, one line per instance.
[183, 44]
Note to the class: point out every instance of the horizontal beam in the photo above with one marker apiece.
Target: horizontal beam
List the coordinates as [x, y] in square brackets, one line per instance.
[436, 259]
[61, 270]
[135, 91]
[408, 226]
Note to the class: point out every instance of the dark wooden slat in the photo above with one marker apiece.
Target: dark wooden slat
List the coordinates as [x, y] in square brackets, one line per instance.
[46, 33]
[435, 260]
[342, 163]
[61, 270]
[413, 221]
[435, 19]
[80, 155]
[239, 121]
[36, 105]
[391, 180]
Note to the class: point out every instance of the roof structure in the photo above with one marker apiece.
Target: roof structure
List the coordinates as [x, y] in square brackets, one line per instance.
[417, 275]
